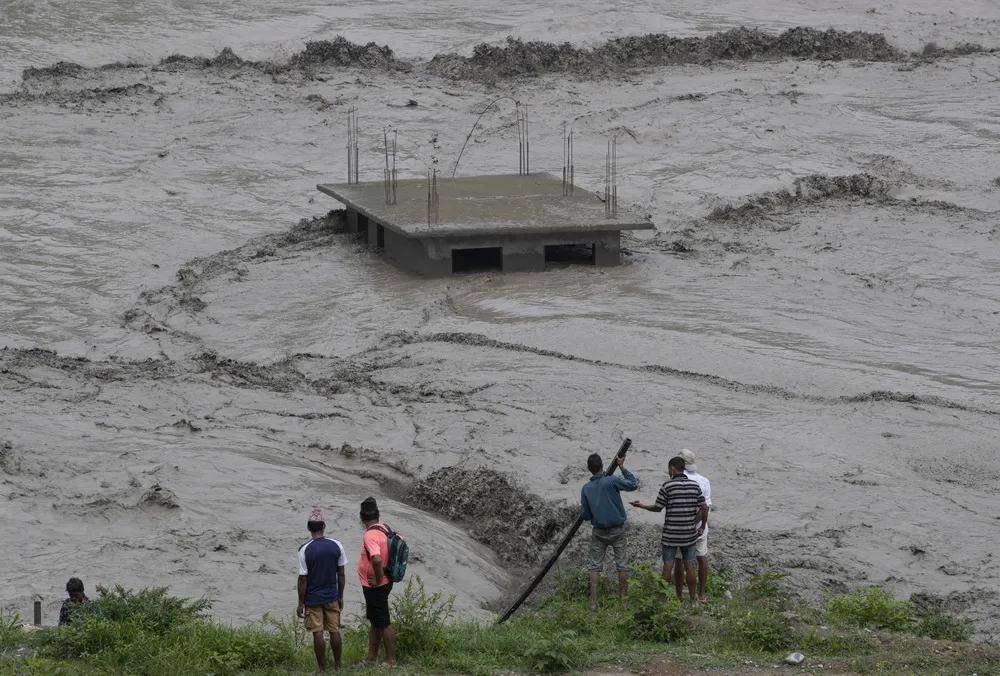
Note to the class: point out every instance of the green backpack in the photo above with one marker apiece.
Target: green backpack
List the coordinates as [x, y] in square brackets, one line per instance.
[399, 553]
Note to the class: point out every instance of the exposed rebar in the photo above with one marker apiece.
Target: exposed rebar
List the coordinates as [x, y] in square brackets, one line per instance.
[394, 175]
[352, 145]
[611, 179]
[433, 199]
[527, 144]
[567, 169]
[572, 187]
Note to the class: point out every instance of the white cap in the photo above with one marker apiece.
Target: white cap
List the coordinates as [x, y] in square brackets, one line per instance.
[688, 456]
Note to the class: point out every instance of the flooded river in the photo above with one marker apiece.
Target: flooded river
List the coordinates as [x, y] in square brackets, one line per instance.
[828, 345]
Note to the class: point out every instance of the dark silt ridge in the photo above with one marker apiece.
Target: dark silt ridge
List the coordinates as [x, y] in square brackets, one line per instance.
[517, 57]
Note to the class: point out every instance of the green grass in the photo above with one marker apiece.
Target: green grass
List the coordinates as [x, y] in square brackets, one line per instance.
[873, 608]
[10, 629]
[152, 633]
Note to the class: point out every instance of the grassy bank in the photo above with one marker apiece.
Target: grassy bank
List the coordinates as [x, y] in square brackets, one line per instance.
[150, 632]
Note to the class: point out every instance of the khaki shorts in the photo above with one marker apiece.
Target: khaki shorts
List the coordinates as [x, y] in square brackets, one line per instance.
[600, 540]
[320, 618]
[701, 545]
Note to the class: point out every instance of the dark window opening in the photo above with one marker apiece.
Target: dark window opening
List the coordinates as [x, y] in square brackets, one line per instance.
[477, 260]
[569, 254]
[380, 236]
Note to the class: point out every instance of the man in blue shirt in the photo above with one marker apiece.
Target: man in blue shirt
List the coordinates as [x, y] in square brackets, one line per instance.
[602, 506]
[321, 588]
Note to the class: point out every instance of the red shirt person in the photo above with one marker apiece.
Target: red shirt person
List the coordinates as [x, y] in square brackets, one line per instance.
[375, 583]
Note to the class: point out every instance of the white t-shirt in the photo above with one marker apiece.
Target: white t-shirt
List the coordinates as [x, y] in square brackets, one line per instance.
[706, 489]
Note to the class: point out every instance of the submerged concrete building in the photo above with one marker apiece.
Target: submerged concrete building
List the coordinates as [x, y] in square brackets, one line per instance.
[507, 223]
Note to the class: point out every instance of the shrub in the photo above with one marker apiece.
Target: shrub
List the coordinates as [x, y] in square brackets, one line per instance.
[719, 582]
[939, 625]
[758, 629]
[150, 632]
[149, 610]
[227, 650]
[656, 614]
[420, 619]
[754, 620]
[89, 636]
[559, 651]
[10, 629]
[572, 585]
[872, 608]
[850, 644]
[764, 590]
[118, 619]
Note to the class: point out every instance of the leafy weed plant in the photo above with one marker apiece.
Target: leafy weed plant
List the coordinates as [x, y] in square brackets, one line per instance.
[11, 634]
[938, 625]
[755, 621]
[872, 608]
[655, 612]
[421, 619]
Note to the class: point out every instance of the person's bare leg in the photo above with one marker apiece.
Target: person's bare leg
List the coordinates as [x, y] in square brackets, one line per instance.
[595, 578]
[622, 584]
[668, 575]
[338, 649]
[692, 580]
[679, 579]
[389, 641]
[319, 647]
[373, 641]
[702, 578]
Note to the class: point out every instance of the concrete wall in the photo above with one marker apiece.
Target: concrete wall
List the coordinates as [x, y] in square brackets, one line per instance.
[521, 253]
[411, 254]
[526, 253]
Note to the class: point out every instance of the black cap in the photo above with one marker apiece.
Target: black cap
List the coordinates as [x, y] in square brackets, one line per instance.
[369, 509]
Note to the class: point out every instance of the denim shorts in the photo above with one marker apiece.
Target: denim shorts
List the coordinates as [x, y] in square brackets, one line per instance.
[687, 553]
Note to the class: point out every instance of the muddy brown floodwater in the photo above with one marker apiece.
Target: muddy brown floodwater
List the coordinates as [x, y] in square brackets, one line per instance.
[194, 353]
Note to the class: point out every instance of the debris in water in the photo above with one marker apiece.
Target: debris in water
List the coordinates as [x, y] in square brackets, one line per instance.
[161, 497]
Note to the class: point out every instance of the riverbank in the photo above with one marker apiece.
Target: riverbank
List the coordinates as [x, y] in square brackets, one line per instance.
[748, 628]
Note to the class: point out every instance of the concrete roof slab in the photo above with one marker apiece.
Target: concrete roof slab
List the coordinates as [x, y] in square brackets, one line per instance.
[484, 205]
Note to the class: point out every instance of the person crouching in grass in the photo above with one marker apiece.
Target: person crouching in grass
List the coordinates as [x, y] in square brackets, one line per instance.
[321, 584]
[74, 588]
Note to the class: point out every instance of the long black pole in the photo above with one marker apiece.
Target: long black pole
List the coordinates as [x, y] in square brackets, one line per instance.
[562, 545]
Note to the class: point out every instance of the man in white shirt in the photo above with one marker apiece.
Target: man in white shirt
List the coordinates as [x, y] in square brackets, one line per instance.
[701, 546]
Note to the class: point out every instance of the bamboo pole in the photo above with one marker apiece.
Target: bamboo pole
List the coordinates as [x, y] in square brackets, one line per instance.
[563, 544]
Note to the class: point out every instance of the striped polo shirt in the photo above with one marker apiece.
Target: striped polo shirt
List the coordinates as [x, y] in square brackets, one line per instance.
[680, 498]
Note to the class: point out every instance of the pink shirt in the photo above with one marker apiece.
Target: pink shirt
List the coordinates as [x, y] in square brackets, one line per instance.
[375, 543]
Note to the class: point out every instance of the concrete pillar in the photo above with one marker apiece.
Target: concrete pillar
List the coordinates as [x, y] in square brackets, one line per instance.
[435, 259]
[372, 233]
[363, 225]
[352, 220]
[607, 250]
